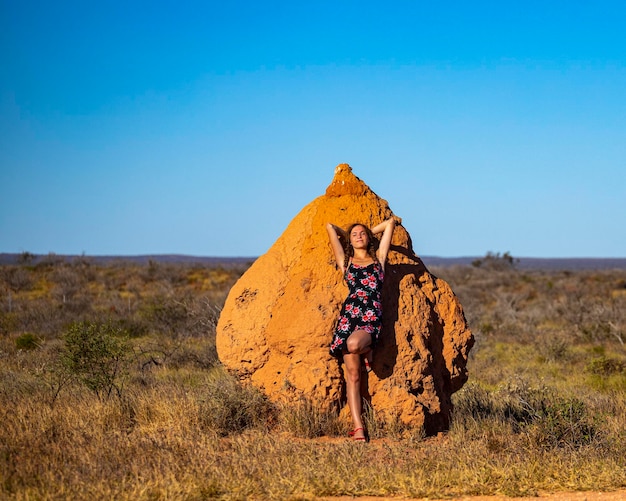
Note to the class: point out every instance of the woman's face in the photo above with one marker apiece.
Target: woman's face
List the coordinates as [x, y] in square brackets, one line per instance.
[359, 238]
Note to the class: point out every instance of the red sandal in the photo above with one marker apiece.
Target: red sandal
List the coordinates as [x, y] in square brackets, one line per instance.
[358, 439]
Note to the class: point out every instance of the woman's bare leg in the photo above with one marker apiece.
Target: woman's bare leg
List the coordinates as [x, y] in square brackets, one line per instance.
[358, 343]
[352, 373]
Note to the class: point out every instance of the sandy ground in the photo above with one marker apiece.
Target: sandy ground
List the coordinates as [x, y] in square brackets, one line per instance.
[558, 496]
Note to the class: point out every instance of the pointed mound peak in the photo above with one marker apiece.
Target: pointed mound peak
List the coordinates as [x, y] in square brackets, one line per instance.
[346, 183]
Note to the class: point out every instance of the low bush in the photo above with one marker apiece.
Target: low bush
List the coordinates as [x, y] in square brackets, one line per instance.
[605, 366]
[549, 419]
[564, 422]
[27, 341]
[97, 355]
[228, 407]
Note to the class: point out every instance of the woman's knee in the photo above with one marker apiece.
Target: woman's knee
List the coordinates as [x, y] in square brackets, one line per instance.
[353, 344]
[358, 342]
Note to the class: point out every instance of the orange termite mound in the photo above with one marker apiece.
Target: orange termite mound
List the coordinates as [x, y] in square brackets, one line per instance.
[276, 325]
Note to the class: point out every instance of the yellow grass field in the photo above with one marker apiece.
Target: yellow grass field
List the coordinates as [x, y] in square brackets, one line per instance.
[110, 388]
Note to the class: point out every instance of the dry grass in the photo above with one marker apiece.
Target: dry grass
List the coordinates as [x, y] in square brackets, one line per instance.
[545, 408]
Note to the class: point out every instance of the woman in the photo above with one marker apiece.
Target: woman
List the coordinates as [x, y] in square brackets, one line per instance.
[358, 329]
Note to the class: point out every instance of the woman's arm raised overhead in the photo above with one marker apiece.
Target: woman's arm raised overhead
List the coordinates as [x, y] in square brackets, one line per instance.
[386, 228]
[335, 243]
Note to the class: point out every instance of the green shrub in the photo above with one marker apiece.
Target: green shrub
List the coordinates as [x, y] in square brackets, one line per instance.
[97, 355]
[165, 314]
[565, 422]
[26, 341]
[605, 366]
[549, 419]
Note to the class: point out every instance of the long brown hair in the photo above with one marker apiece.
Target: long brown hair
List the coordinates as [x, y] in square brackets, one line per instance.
[372, 244]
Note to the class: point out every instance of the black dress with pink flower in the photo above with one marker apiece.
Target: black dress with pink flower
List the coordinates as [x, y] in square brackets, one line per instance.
[362, 309]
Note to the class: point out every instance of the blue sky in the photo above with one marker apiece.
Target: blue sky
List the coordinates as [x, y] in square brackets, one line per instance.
[203, 128]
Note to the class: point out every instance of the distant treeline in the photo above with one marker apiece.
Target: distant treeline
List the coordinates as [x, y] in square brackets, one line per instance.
[28, 258]
[537, 263]
[526, 263]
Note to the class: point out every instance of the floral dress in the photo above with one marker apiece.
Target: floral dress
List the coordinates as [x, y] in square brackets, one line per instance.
[362, 309]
